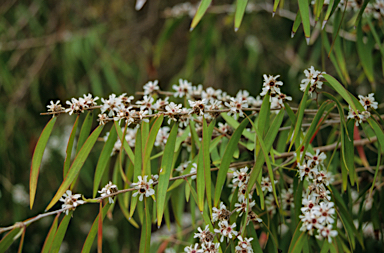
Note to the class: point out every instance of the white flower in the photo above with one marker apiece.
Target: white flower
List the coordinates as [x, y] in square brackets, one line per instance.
[143, 187]
[102, 118]
[306, 171]
[146, 103]
[255, 102]
[161, 104]
[173, 110]
[226, 230]
[220, 214]
[89, 101]
[326, 212]
[244, 245]
[75, 106]
[183, 89]
[242, 206]
[236, 106]
[309, 204]
[70, 201]
[55, 107]
[287, 196]
[193, 170]
[252, 216]
[197, 106]
[205, 235]
[162, 136]
[240, 177]
[266, 184]
[359, 117]
[271, 84]
[211, 247]
[107, 190]
[126, 101]
[281, 98]
[310, 222]
[317, 158]
[193, 249]
[270, 203]
[112, 105]
[313, 79]
[326, 232]
[242, 95]
[211, 94]
[368, 101]
[151, 87]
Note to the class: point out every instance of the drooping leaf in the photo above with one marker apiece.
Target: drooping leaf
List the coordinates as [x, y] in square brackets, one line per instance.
[76, 165]
[104, 159]
[145, 239]
[297, 240]
[8, 239]
[84, 131]
[365, 53]
[165, 172]
[51, 235]
[93, 231]
[204, 4]
[239, 14]
[60, 233]
[137, 168]
[37, 157]
[149, 142]
[126, 146]
[304, 13]
[67, 161]
[226, 160]
[296, 24]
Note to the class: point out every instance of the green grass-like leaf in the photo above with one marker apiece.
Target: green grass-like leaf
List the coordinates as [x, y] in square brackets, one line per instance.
[239, 14]
[165, 173]
[51, 235]
[137, 168]
[204, 4]
[149, 142]
[37, 157]
[304, 13]
[8, 239]
[93, 231]
[226, 160]
[76, 165]
[104, 159]
[67, 161]
[126, 146]
[60, 233]
[84, 131]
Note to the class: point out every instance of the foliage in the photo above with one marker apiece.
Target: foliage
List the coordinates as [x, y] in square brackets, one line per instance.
[100, 51]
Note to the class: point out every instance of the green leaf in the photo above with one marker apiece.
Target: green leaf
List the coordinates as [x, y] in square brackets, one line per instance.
[233, 123]
[85, 130]
[126, 146]
[37, 157]
[377, 170]
[207, 135]
[264, 114]
[8, 239]
[297, 240]
[275, 5]
[365, 54]
[361, 12]
[145, 239]
[204, 4]
[378, 132]
[341, 90]
[349, 152]
[299, 119]
[328, 13]
[304, 13]
[296, 24]
[93, 231]
[165, 173]
[76, 165]
[331, 55]
[60, 233]
[152, 138]
[67, 161]
[51, 235]
[268, 141]
[226, 160]
[239, 14]
[200, 180]
[137, 168]
[104, 159]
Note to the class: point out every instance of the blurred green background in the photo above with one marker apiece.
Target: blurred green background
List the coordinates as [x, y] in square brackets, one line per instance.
[52, 50]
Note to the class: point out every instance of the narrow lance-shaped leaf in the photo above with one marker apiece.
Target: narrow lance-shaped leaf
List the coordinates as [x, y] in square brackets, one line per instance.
[331, 55]
[85, 130]
[297, 240]
[126, 146]
[8, 239]
[239, 14]
[76, 165]
[328, 13]
[100, 229]
[60, 233]
[376, 172]
[200, 180]
[349, 152]
[268, 141]
[165, 173]
[299, 118]
[204, 4]
[226, 160]
[93, 231]
[296, 24]
[365, 54]
[207, 135]
[51, 235]
[67, 161]
[137, 168]
[36, 159]
[21, 241]
[145, 239]
[304, 13]
[152, 138]
[275, 5]
[104, 159]
[341, 90]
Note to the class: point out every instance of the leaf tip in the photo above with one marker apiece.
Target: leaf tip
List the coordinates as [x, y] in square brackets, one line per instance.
[236, 29]
[191, 29]
[292, 34]
[307, 39]
[273, 14]
[323, 25]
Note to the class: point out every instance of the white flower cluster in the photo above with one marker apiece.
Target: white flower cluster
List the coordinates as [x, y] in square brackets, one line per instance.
[143, 187]
[70, 201]
[272, 85]
[107, 190]
[317, 210]
[374, 9]
[313, 78]
[367, 102]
